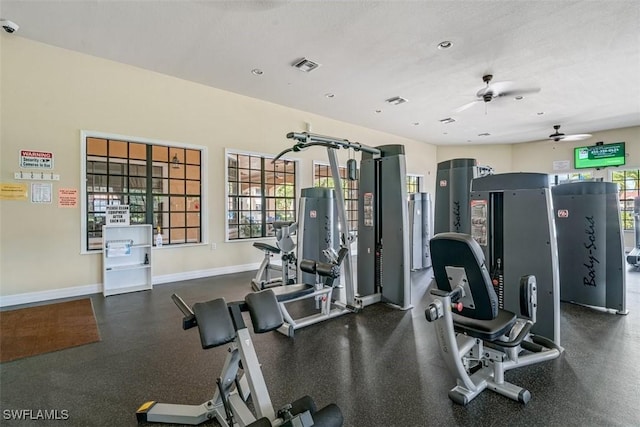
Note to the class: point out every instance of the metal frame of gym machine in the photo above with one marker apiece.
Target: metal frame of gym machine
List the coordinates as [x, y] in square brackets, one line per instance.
[373, 268]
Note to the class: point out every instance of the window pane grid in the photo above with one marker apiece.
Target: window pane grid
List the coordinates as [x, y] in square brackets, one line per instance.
[322, 177]
[413, 184]
[628, 186]
[259, 192]
[117, 173]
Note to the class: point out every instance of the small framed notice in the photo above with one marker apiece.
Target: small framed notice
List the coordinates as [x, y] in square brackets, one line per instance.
[67, 197]
[117, 215]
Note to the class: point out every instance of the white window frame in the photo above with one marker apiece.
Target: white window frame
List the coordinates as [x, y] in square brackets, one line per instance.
[204, 173]
[296, 197]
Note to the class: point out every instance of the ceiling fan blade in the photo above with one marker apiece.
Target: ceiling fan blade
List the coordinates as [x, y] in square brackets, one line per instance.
[518, 92]
[576, 137]
[467, 106]
[496, 87]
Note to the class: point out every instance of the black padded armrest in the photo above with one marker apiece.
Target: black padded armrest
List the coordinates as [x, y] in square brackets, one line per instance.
[214, 323]
[264, 310]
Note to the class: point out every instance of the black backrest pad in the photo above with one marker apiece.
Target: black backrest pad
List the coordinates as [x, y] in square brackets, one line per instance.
[214, 323]
[264, 310]
[460, 250]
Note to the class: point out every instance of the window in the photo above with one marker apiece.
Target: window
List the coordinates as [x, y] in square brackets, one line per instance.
[322, 178]
[569, 177]
[629, 186]
[414, 182]
[160, 183]
[259, 192]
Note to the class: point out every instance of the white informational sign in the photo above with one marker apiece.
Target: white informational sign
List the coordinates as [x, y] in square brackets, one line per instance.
[118, 248]
[479, 230]
[36, 159]
[561, 165]
[41, 192]
[117, 215]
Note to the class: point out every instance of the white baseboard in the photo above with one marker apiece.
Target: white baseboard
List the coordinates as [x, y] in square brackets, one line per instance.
[52, 294]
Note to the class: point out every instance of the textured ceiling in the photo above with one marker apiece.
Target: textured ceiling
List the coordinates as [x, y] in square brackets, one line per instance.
[583, 55]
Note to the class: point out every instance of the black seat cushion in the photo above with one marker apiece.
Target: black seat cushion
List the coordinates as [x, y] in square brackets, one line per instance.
[486, 330]
[460, 250]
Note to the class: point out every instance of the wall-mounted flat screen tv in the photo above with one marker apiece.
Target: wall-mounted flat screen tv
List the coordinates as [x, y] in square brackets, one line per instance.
[599, 156]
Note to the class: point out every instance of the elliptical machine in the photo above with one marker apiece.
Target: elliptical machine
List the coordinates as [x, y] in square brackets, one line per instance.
[285, 246]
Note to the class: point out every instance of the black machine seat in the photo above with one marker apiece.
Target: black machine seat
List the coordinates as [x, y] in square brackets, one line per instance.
[484, 319]
[265, 247]
[486, 330]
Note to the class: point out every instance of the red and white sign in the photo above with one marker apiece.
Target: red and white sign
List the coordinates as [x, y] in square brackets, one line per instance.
[36, 159]
[443, 183]
[563, 213]
[313, 214]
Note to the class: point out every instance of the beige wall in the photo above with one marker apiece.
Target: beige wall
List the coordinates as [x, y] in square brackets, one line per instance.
[49, 95]
[539, 156]
[498, 156]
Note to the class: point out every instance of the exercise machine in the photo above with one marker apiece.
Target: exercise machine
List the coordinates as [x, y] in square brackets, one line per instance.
[590, 244]
[420, 230]
[382, 195]
[478, 340]
[284, 246]
[453, 184]
[383, 230]
[512, 221]
[325, 277]
[220, 323]
[633, 257]
[317, 227]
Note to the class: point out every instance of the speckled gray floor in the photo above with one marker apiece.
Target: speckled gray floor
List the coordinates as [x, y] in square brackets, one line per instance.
[382, 366]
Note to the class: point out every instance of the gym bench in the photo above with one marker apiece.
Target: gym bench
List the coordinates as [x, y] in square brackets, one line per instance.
[220, 323]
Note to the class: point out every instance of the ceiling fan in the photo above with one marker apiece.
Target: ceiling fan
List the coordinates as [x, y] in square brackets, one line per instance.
[496, 90]
[559, 136]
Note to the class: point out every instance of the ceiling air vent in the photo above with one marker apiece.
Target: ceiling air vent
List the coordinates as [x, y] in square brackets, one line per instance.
[396, 100]
[306, 65]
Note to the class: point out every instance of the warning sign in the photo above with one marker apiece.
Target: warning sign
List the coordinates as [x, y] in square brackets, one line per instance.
[36, 159]
[563, 213]
[117, 215]
[67, 197]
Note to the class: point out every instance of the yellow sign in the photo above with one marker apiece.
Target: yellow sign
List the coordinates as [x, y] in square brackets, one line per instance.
[13, 191]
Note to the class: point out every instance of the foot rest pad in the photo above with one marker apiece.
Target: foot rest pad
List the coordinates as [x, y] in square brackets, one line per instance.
[289, 292]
